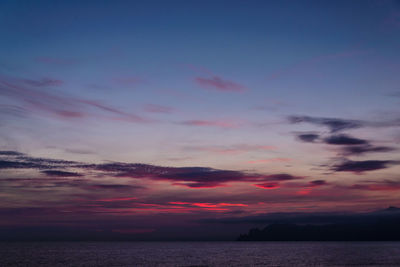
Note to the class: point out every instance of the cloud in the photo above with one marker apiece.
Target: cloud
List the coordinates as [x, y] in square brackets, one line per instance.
[158, 109]
[378, 186]
[58, 173]
[17, 160]
[337, 125]
[35, 98]
[192, 177]
[210, 123]
[235, 149]
[116, 187]
[272, 185]
[343, 139]
[308, 137]
[44, 82]
[269, 160]
[358, 150]
[219, 84]
[334, 124]
[10, 153]
[317, 183]
[362, 166]
[348, 145]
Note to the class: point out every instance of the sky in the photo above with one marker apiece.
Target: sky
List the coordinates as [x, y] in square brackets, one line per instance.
[150, 119]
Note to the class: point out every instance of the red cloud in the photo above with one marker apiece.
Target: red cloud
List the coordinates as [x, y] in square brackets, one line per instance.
[209, 205]
[268, 185]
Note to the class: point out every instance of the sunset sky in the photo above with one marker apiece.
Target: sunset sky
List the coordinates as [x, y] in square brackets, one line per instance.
[150, 118]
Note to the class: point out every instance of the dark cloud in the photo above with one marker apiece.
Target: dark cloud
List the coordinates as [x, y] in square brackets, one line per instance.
[358, 150]
[58, 173]
[343, 139]
[281, 177]
[348, 145]
[337, 124]
[10, 153]
[308, 137]
[194, 177]
[334, 124]
[362, 166]
[6, 164]
[316, 183]
[308, 217]
[117, 187]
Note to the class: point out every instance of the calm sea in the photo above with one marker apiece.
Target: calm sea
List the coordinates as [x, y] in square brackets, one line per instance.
[200, 254]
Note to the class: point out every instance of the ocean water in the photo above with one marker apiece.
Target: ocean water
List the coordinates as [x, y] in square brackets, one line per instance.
[200, 254]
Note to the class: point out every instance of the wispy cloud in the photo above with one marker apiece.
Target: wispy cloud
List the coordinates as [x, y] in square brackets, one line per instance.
[192, 177]
[211, 123]
[259, 161]
[42, 101]
[219, 84]
[337, 124]
[334, 124]
[234, 149]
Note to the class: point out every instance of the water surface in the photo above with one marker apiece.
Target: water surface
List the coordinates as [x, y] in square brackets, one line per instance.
[200, 254]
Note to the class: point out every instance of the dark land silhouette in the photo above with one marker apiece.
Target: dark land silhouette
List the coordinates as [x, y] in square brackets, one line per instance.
[381, 225]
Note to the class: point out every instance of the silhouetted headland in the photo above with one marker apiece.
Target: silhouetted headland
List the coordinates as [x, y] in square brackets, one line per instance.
[383, 225]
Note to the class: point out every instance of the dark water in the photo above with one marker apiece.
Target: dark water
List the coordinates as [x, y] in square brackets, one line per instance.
[200, 254]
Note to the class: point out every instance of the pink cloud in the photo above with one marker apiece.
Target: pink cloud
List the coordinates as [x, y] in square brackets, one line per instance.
[268, 185]
[219, 84]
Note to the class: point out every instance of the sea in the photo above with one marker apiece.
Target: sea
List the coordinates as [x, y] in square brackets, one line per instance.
[199, 254]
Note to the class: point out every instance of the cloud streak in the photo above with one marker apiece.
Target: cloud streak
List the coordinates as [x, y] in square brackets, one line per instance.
[219, 84]
[191, 177]
[32, 95]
